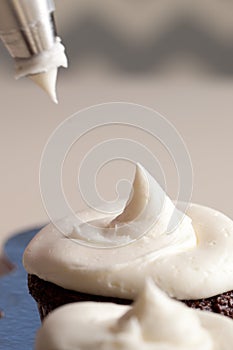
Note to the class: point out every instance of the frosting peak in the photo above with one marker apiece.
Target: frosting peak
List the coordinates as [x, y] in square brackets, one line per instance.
[157, 316]
[139, 198]
[148, 210]
[154, 322]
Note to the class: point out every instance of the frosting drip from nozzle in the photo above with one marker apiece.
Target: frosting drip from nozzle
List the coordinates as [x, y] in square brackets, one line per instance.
[47, 81]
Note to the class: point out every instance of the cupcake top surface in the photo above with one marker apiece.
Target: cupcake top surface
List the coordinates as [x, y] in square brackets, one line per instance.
[154, 322]
[188, 256]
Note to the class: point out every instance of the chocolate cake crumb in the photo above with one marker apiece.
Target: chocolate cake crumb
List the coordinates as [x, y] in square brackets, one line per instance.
[49, 296]
[220, 304]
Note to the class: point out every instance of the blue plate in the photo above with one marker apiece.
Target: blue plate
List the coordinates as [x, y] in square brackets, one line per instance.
[21, 318]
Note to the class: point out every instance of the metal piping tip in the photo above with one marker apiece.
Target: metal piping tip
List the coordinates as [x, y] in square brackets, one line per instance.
[47, 81]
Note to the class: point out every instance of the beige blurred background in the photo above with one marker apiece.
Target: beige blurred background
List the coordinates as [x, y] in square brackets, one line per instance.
[173, 56]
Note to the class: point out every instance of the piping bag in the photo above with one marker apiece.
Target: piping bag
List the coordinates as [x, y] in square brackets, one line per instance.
[28, 31]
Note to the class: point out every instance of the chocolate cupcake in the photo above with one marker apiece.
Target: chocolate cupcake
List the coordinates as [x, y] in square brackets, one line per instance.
[188, 256]
[153, 322]
[49, 296]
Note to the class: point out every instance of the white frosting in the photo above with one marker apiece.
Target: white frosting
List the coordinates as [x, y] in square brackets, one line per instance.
[148, 211]
[47, 81]
[154, 322]
[42, 68]
[193, 261]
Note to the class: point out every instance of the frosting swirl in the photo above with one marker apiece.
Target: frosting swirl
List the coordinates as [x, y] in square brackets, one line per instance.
[154, 322]
[148, 211]
[193, 261]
